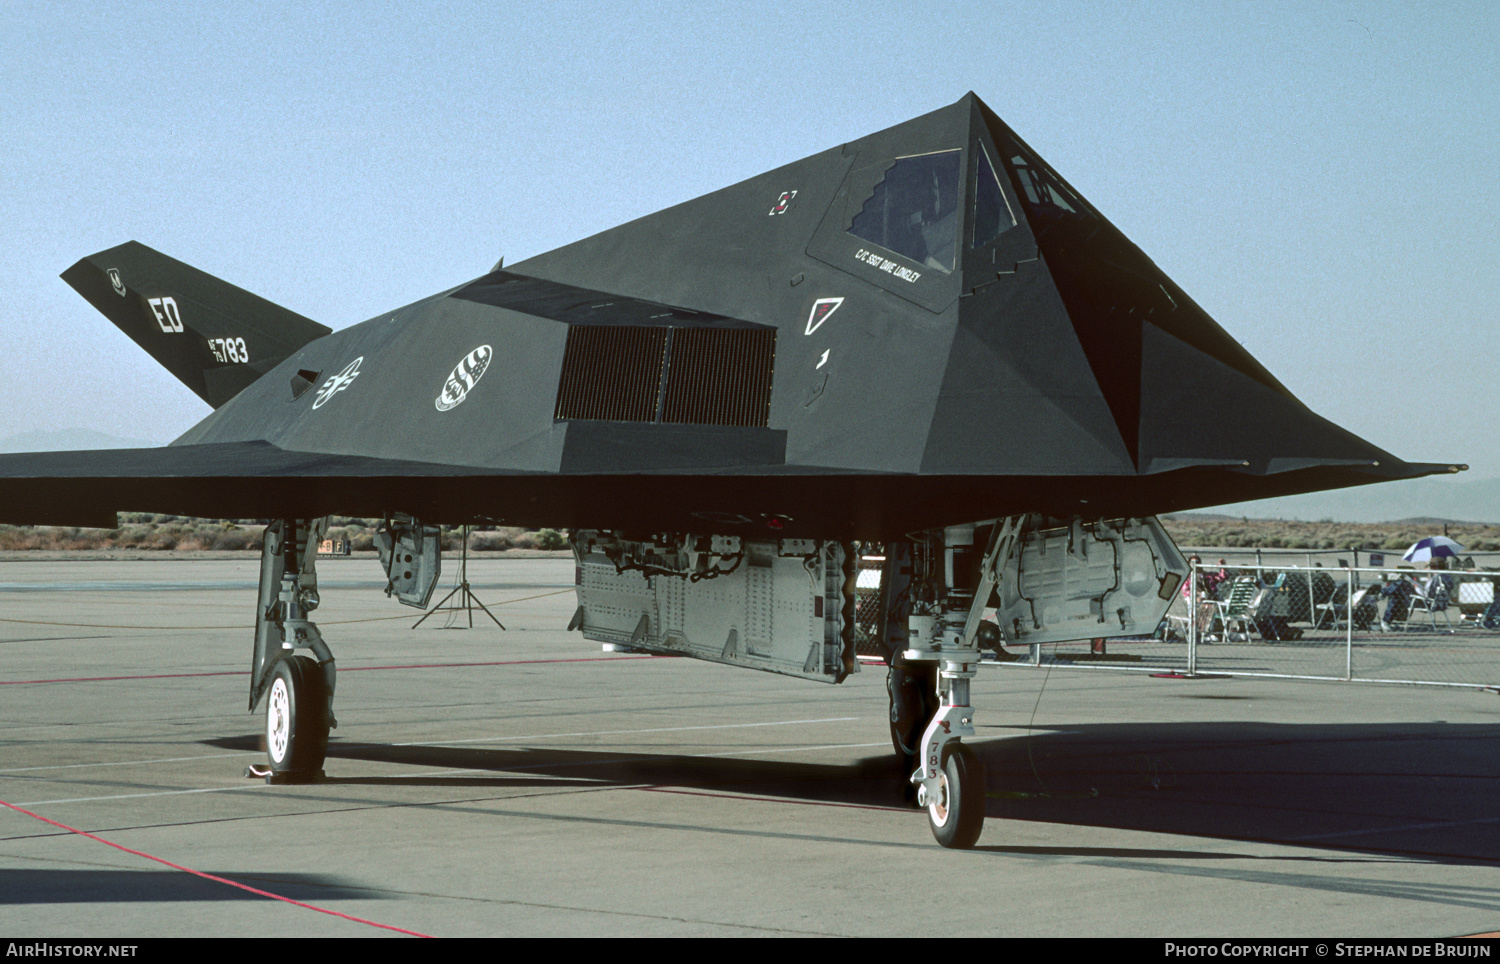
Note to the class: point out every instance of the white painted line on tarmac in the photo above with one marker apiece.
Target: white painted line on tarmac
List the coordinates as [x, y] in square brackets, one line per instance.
[481, 739]
[657, 729]
[128, 763]
[131, 796]
[448, 772]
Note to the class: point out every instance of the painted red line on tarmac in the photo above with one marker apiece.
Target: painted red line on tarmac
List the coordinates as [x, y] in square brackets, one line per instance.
[222, 880]
[799, 803]
[342, 669]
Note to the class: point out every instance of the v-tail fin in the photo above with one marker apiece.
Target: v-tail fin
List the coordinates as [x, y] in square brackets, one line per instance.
[214, 337]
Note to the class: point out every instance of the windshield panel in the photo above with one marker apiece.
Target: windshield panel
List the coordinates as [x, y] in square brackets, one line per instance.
[913, 211]
[992, 214]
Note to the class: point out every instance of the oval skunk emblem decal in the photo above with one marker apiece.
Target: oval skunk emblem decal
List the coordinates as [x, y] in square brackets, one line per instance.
[465, 375]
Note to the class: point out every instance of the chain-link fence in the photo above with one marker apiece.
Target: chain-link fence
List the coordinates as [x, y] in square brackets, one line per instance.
[1259, 614]
[1396, 625]
[867, 602]
[1277, 559]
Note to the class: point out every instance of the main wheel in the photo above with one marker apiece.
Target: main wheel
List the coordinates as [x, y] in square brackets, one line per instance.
[297, 718]
[957, 814]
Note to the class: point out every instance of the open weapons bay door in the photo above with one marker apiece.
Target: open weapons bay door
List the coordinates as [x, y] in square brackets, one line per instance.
[784, 606]
[1082, 580]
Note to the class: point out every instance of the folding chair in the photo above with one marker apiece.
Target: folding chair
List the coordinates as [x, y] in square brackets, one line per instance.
[1334, 610]
[1334, 614]
[1235, 609]
[1433, 605]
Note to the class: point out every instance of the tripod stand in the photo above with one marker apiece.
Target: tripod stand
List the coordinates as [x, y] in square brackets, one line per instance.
[469, 600]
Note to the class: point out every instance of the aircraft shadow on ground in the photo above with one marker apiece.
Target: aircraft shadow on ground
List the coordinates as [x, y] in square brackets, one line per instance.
[1423, 789]
[97, 885]
[871, 782]
[1420, 789]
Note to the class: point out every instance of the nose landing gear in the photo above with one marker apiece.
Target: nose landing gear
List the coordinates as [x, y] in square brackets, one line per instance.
[955, 811]
[949, 778]
[936, 600]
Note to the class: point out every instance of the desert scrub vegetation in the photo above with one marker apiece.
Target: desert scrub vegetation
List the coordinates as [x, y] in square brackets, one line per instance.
[141, 531]
[1187, 530]
[147, 531]
[493, 540]
[156, 531]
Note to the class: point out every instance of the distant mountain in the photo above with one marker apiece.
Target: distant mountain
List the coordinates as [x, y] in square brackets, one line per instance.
[68, 440]
[1435, 499]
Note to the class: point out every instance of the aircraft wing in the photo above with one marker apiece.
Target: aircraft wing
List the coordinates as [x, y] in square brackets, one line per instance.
[683, 490]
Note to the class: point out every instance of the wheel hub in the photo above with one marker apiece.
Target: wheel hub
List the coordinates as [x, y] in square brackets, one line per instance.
[938, 806]
[278, 721]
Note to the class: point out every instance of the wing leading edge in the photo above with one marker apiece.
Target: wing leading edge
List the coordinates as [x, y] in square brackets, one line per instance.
[261, 480]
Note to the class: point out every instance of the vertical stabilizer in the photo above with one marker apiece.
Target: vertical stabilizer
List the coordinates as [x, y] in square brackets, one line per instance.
[214, 337]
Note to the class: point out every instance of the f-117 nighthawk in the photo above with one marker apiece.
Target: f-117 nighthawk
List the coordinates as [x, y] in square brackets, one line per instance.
[924, 338]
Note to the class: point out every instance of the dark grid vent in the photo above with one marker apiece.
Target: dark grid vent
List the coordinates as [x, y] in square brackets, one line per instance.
[692, 376]
[720, 376]
[612, 372]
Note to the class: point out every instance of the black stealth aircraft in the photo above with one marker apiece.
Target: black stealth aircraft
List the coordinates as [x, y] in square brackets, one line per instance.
[924, 340]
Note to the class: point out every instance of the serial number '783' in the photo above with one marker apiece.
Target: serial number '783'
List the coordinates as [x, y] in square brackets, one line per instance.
[229, 349]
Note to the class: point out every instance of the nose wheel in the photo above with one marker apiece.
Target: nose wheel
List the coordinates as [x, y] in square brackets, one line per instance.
[955, 810]
[297, 720]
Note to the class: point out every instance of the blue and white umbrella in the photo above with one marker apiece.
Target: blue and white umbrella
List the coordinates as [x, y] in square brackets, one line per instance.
[1433, 547]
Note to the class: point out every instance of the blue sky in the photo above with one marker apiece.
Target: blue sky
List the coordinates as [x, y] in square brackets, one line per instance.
[1319, 176]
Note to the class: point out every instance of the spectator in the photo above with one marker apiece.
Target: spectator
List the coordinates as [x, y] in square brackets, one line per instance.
[1195, 571]
[1397, 593]
[1212, 581]
[1491, 617]
[1439, 586]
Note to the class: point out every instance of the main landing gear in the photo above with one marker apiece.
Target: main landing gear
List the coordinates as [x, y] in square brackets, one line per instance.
[297, 718]
[298, 689]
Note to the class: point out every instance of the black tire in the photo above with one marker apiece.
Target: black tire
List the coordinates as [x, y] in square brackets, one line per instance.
[297, 718]
[914, 702]
[957, 817]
